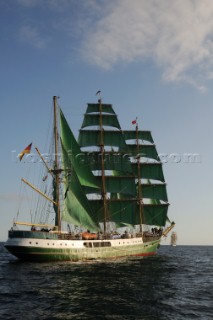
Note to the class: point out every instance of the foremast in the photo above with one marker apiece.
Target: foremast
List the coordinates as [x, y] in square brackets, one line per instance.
[56, 170]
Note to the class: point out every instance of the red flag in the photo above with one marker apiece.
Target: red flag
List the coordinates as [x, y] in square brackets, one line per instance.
[26, 150]
[134, 121]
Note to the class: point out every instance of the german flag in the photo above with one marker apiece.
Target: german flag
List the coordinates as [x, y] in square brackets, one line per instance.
[26, 150]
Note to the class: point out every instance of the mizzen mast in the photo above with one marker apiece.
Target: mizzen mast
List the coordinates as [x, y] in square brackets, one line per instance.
[140, 199]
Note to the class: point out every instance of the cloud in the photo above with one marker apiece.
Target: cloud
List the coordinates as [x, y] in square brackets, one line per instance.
[176, 35]
[32, 36]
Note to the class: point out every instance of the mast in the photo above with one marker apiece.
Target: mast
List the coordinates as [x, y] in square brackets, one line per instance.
[139, 180]
[56, 169]
[103, 186]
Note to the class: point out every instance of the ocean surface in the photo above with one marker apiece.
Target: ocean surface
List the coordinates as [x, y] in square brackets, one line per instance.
[177, 283]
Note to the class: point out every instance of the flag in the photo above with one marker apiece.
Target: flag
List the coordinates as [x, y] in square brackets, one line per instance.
[26, 150]
[134, 121]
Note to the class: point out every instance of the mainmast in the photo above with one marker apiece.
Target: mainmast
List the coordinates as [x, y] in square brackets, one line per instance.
[103, 186]
[140, 200]
[56, 167]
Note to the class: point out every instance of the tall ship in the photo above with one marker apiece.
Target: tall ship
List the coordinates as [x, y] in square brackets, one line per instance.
[173, 239]
[107, 197]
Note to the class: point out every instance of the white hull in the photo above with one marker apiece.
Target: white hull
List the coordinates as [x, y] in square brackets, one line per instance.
[55, 249]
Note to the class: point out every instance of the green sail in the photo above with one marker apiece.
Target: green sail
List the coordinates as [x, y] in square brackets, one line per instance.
[152, 170]
[155, 214]
[77, 209]
[73, 150]
[112, 161]
[117, 184]
[90, 138]
[145, 150]
[94, 107]
[154, 191]
[121, 180]
[94, 120]
[120, 211]
[142, 135]
[127, 212]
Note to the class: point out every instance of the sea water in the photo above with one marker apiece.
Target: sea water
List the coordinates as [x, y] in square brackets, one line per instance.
[177, 283]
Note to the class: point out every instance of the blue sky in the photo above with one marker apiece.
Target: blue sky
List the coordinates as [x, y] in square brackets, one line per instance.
[151, 59]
